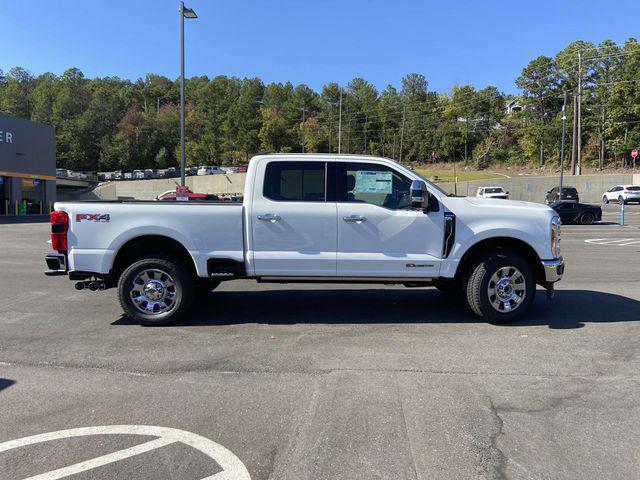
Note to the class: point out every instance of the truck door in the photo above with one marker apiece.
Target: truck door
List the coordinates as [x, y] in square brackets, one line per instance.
[378, 234]
[293, 219]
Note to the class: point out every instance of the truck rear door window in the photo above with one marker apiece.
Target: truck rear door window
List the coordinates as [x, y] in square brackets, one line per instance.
[295, 181]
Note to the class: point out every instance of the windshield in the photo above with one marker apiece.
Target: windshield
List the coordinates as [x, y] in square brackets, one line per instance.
[493, 190]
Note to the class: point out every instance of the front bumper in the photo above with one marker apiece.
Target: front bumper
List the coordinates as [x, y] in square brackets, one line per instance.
[553, 270]
[57, 264]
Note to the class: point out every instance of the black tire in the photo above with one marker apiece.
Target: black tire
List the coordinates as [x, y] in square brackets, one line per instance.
[621, 200]
[587, 218]
[478, 281]
[605, 199]
[181, 290]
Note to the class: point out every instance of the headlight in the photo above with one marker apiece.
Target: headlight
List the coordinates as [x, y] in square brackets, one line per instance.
[555, 236]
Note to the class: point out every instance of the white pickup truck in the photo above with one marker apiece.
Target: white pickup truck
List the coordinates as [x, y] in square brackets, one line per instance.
[312, 218]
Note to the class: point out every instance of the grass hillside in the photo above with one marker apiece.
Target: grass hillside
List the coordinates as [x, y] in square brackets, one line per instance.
[438, 175]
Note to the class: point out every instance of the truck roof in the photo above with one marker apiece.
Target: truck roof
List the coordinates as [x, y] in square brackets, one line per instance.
[321, 156]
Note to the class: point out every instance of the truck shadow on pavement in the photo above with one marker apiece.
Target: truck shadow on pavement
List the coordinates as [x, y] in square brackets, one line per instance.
[5, 383]
[569, 309]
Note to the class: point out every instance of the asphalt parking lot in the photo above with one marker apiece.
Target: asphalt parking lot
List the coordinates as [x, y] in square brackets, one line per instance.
[325, 382]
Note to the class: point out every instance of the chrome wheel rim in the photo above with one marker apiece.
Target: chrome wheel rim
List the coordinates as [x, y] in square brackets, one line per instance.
[153, 292]
[507, 289]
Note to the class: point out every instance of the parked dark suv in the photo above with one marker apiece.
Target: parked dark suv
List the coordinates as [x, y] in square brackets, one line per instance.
[574, 212]
[569, 194]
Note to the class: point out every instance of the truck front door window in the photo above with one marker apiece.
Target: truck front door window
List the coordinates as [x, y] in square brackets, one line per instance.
[374, 184]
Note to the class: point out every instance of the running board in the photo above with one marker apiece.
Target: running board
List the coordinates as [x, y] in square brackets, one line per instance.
[353, 280]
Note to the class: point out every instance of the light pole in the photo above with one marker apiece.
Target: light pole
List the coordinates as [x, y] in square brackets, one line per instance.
[564, 133]
[185, 12]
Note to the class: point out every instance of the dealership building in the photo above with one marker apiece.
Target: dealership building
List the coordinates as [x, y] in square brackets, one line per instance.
[27, 166]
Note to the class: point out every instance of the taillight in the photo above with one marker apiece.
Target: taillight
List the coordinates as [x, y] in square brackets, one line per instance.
[59, 227]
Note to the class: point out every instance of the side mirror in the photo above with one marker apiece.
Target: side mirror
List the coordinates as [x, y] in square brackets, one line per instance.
[419, 196]
[507, 192]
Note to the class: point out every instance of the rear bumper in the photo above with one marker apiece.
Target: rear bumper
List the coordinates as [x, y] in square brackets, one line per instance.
[553, 269]
[56, 264]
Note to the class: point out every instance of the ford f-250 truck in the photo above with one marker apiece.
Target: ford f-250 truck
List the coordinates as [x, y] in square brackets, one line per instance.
[312, 218]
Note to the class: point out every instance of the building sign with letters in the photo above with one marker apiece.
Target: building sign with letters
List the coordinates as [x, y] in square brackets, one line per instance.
[6, 137]
[27, 149]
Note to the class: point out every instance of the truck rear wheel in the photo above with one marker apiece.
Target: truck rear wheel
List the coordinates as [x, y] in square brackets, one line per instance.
[500, 288]
[156, 290]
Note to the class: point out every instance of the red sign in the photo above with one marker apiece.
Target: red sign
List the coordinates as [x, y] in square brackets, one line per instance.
[634, 152]
[182, 193]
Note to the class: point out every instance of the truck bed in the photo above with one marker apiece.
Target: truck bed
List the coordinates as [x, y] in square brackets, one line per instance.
[98, 229]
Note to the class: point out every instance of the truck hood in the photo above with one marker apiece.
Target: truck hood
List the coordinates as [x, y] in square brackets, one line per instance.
[496, 207]
[499, 203]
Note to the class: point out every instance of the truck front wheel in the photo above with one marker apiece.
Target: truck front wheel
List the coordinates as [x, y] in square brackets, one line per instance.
[500, 287]
[155, 290]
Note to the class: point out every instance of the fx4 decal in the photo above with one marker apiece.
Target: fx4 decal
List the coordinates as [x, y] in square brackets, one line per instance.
[93, 217]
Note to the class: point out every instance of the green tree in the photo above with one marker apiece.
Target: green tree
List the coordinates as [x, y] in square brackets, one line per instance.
[540, 81]
[17, 86]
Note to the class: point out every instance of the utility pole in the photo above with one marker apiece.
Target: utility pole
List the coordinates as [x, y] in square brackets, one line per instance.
[304, 109]
[466, 134]
[602, 145]
[340, 123]
[330, 125]
[366, 118]
[404, 111]
[579, 132]
[394, 145]
[564, 134]
[574, 134]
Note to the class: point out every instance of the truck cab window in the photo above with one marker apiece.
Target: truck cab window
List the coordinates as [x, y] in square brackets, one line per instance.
[374, 184]
[295, 181]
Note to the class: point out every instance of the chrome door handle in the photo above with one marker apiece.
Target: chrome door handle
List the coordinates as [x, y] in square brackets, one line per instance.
[269, 217]
[354, 219]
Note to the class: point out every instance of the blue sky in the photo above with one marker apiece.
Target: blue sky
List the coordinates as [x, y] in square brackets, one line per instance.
[312, 41]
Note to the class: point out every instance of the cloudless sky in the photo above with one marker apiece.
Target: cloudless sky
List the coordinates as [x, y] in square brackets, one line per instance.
[307, 41]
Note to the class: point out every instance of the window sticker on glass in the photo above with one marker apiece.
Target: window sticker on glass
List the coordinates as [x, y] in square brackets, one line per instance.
[373, 182]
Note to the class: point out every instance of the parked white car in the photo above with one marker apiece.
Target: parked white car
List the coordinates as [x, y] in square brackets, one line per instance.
[492, 192]
[312, 218]
[209, 170]
[622, 193]
[138, 174]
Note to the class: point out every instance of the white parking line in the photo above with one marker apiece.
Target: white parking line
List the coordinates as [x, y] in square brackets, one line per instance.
[233, 468]
[614, 241]
[635, 242]
[103, 460]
